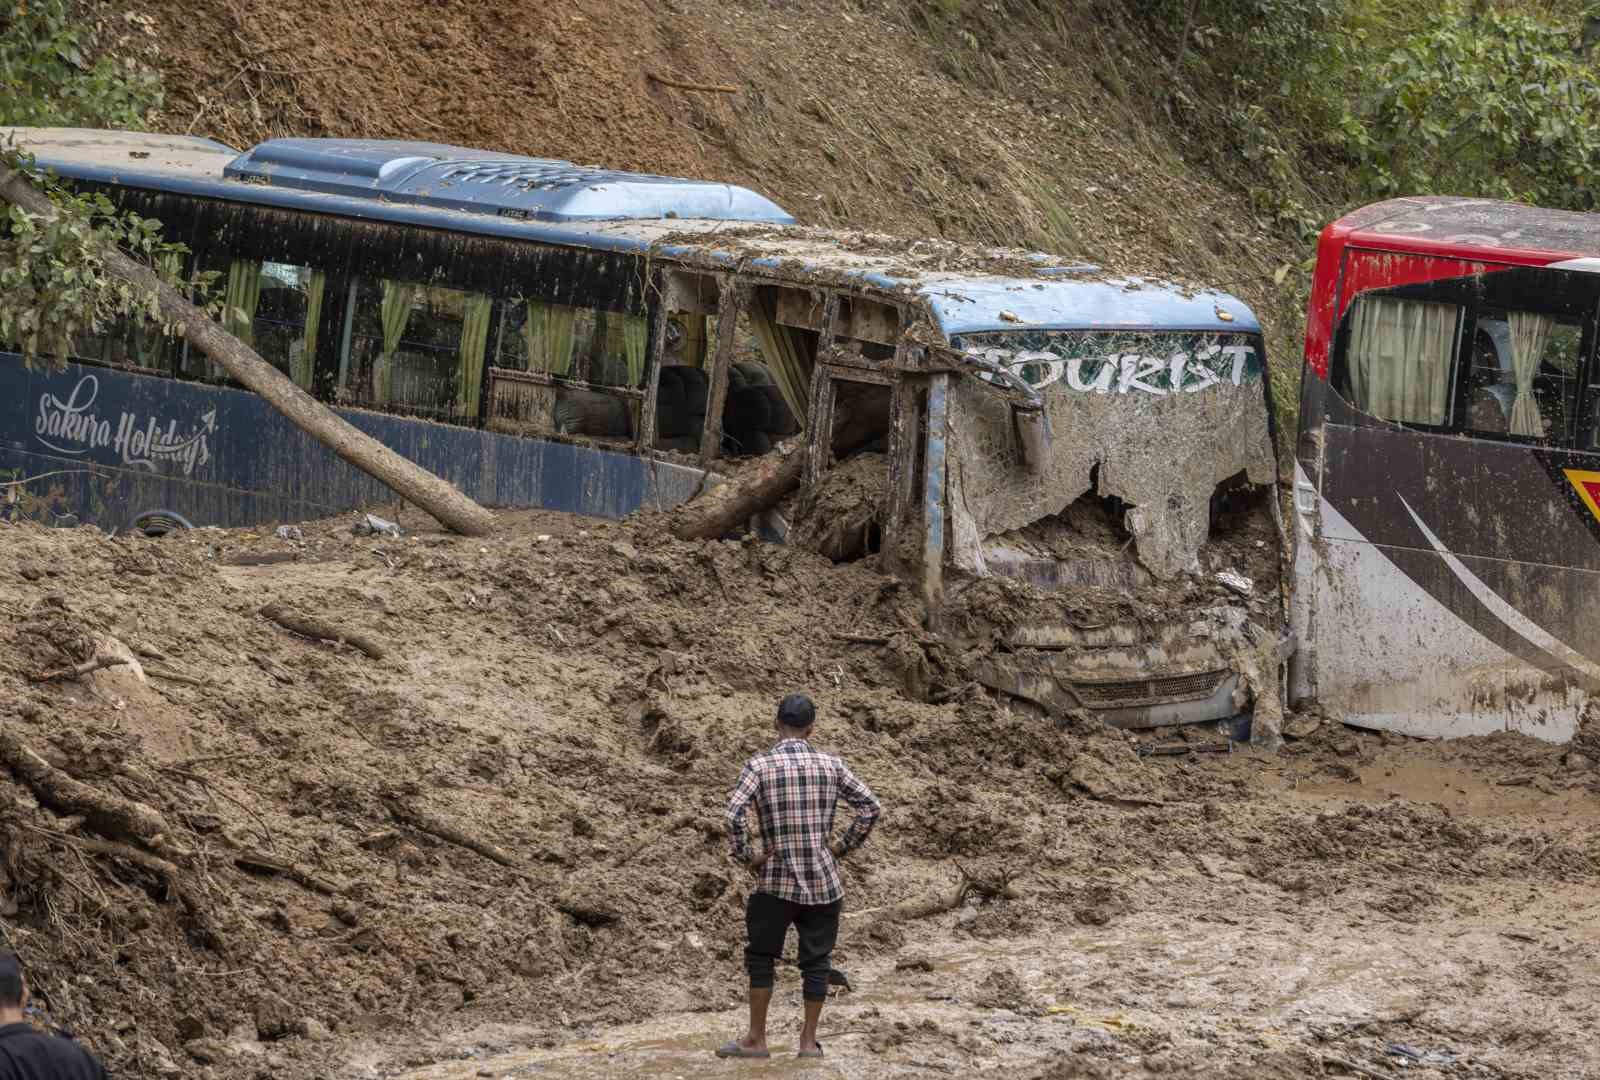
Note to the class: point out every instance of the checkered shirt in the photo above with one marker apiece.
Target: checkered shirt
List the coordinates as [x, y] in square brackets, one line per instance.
[796, 789]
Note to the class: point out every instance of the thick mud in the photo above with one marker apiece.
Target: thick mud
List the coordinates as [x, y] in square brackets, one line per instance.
[497, 846]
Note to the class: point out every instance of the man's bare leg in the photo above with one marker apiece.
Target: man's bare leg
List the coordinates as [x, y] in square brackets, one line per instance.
[756, 1037]
[808, 1030]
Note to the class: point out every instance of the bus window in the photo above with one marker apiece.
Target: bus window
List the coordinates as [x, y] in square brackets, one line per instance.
[274, 307]
[287, 317]
[1399, 358]
[416, 348]
[585, 370]
[1523, 375]
[131, 341]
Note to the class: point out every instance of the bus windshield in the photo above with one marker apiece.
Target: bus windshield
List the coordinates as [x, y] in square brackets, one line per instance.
[1155, 420]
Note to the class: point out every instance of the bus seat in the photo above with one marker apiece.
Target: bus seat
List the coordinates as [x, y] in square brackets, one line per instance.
[681, 402]
[586, 412]
[747, 419]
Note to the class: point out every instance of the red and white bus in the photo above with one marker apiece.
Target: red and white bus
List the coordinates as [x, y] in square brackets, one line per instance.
[1447, 477]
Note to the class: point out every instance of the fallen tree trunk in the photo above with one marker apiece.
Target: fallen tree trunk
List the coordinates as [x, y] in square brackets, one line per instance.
[405, 477]
[730, 504]
[109, 815]
[312, 627]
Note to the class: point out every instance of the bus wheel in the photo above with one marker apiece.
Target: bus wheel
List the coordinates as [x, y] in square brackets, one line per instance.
[158, 522]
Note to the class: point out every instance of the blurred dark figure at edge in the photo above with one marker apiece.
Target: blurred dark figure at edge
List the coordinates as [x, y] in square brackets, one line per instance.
[26, 1053]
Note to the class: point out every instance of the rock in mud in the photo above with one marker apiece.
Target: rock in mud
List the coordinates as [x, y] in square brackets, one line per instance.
[1002, 989]
[274, 1017]
[312, 1029]
[1099, 903]
[209, 1051]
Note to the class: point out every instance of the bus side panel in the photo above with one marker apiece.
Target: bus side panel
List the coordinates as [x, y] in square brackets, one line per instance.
[1427, 623]
[122, 443]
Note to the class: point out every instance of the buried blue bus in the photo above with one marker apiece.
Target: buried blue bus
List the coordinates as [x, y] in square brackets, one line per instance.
[548, 335]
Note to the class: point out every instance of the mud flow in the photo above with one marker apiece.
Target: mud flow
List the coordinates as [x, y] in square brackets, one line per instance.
[323, 804]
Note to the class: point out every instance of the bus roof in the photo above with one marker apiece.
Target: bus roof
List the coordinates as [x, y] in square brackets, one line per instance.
[432, 185]
[1461, 227]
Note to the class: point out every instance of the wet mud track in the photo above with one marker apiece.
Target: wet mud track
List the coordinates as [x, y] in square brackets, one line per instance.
[557, 695]
[1229, 983]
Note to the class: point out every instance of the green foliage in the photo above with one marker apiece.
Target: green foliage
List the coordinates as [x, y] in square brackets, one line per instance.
[1333, 102]
[53, 280]
[48, 80]
[1495, 102]
[54, 284]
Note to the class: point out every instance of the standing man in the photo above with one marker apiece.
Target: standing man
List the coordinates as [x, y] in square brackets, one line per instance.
[28, 1054]
[795, 788]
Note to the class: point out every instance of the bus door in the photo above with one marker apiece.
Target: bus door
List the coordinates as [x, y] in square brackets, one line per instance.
[1457, 539]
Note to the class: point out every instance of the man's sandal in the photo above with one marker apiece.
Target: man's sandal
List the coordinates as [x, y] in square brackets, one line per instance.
[811, 1053]
[734, 1049]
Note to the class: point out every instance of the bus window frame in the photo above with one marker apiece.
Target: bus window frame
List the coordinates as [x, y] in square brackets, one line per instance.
[1470, 295]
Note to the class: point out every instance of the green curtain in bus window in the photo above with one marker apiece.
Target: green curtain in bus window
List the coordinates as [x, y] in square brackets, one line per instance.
[302, 363]
[1400, 355]
[782, 351]
[396, 311]
[474, 342]
[636, 344]
[244, 293]
[549, 334]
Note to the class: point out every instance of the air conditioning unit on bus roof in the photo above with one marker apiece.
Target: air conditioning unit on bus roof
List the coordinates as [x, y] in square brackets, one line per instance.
[485, 182]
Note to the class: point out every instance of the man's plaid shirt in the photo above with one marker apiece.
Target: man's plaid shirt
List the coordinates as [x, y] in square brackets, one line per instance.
[796, 789]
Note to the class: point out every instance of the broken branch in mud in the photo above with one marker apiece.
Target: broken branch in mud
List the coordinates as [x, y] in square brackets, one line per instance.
[174, 676]
[309, 626]
[78, 671]
[109, 815]
[261, 823]
[433, 826]
[1000, 888]
[255, 860]
[166, 871]
[1350, 1066]
[704, 88]
[260, 558]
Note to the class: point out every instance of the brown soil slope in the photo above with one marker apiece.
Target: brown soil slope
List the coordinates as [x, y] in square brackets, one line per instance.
[370, 854]
[1040, 126]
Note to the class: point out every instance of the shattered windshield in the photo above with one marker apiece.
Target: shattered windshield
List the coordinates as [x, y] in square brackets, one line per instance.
[1154, 419]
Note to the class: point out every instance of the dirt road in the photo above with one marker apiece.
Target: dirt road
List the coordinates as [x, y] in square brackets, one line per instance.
[450, 859]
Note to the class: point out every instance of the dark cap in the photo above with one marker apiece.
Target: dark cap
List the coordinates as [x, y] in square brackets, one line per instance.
[796, 711]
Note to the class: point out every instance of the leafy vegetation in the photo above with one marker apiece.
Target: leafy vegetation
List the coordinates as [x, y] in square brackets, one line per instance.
[1338, 102]
[48, 78]
[53, 281]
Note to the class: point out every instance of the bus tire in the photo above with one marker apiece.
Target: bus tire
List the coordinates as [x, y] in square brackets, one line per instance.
[157, 522]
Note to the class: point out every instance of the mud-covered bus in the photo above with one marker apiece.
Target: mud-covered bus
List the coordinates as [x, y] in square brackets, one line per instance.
[543, 334]
[1447, 482]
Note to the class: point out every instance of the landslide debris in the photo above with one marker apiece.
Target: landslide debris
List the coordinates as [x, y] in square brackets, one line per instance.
[513, 812]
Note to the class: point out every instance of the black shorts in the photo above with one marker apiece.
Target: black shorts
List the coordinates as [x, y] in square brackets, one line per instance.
[767, 919]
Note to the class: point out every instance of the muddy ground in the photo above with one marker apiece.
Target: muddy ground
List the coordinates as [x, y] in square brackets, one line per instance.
[554, 697]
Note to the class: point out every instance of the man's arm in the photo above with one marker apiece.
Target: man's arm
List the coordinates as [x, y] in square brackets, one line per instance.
[744, 791]
[859, 796]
